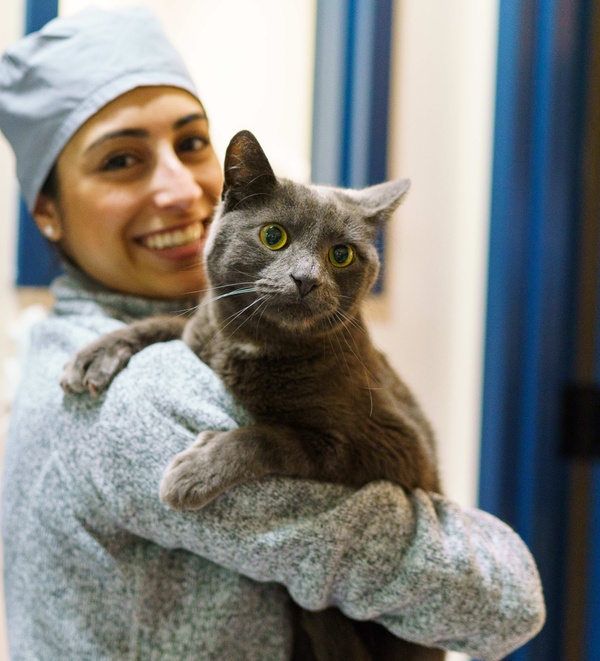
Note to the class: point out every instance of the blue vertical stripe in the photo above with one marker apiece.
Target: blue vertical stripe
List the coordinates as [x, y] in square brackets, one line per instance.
[531, 287]
[538, 261]
[38, 13]
[509, 209]
[351, 96]
[37, 265]
[329, 92]
[592, 623]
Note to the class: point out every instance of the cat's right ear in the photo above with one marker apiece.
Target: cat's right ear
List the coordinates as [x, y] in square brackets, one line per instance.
[248, 173]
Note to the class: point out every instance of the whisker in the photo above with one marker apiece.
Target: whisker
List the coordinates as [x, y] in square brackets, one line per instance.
[263, 305]
[187, 312]
[352, 321]
[335, 353]
[250, 275]
[230, 284]
[342, 352]
[237, 315]
[357, 356]
[356, 347]
[246, 290]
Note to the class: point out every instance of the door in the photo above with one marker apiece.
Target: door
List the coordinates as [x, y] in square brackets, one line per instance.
[539, 441]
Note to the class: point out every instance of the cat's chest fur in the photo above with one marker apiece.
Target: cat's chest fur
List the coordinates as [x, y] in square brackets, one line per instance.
[290, 378]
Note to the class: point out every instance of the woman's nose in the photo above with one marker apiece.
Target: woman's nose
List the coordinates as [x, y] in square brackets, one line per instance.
[174, 183]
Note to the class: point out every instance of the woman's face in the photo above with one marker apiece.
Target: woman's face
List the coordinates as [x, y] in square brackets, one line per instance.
[138, 184]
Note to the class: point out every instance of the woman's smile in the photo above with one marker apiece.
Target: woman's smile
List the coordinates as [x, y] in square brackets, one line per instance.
[181, 242]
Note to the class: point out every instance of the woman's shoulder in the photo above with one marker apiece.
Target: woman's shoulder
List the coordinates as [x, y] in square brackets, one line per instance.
[165, 382]
[169, 377]
[152, 410]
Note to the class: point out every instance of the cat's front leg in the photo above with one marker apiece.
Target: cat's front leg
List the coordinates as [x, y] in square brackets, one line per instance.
[96, 365]
[199, 474]
[218, 461]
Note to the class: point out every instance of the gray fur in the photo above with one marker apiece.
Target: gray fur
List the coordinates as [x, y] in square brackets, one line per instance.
[284, 331]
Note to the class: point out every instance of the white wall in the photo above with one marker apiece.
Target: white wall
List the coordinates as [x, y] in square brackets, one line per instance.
[11, 27]
[431, 316]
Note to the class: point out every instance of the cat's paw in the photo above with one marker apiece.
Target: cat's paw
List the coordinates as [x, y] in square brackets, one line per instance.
[94, 367]
[197, 475]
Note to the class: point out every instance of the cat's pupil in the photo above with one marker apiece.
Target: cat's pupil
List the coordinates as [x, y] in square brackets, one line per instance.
[273, 236]
[341, 254]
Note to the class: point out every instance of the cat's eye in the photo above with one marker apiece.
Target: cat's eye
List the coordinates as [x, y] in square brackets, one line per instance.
[273, 236]
[341, 255]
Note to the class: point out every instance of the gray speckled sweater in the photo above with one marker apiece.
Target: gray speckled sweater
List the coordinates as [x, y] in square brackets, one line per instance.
[97, 568]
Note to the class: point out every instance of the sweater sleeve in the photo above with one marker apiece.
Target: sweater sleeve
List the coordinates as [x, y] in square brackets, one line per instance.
[431, 572]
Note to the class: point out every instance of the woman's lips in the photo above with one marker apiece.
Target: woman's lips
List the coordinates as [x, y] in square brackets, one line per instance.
[173, 238]
[176, 243]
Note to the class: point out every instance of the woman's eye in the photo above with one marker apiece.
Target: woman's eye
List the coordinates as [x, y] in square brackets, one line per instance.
[193, 143]
[273, 236]
[341, 255]
[119, 162]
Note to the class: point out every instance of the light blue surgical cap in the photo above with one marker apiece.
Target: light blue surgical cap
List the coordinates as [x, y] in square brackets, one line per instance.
[53, 80]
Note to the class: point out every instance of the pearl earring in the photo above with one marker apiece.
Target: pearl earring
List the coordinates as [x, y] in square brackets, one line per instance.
[49, 231]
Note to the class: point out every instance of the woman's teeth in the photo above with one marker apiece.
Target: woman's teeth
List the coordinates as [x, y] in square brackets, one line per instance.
[175, 238]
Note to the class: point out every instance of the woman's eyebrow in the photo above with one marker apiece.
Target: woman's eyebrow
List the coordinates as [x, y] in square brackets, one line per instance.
[193, 117]
[135, 133]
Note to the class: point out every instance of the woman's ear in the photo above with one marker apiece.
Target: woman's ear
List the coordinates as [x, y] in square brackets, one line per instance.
[47, 217]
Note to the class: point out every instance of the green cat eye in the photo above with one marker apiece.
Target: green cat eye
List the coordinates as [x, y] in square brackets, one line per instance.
[273, 236]
[341, 255]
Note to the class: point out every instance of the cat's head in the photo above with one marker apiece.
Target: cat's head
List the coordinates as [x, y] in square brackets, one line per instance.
[302, 256]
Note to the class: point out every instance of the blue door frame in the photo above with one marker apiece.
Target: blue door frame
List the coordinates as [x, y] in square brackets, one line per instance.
[532, 289]
[351, 95]
[37, 264]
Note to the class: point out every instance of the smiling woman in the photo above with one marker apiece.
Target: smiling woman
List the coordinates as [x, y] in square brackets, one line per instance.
[145, 170]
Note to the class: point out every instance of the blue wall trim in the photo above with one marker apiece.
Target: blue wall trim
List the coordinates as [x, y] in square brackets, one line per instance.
[37, 264]
[351, 94]
[592, 629]
[531, 286]
[38, 13]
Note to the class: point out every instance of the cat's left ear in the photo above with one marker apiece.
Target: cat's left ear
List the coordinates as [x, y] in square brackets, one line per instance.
[249, 177]
[380, 201]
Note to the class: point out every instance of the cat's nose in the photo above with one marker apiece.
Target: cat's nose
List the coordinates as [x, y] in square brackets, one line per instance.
[305, 285]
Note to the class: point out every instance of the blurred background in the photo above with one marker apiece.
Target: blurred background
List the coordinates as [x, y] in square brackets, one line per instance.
[488, 301]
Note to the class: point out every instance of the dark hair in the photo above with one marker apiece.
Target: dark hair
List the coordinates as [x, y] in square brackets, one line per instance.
[50, 187]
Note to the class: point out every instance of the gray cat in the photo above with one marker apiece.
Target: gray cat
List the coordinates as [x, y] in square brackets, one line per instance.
[289, 266]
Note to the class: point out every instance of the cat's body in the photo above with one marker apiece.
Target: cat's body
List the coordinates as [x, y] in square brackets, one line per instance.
[333, 400]
[289, 266]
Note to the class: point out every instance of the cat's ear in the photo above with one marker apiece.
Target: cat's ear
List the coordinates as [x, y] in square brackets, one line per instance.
[248, 173]
[380, 201]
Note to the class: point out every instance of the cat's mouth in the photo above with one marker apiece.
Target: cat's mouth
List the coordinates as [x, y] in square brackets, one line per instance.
[295, 314]
[176, 237]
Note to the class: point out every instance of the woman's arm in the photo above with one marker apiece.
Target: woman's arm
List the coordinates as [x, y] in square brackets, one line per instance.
[430, 571]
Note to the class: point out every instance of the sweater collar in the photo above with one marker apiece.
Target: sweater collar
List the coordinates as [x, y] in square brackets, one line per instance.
[74, 289]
